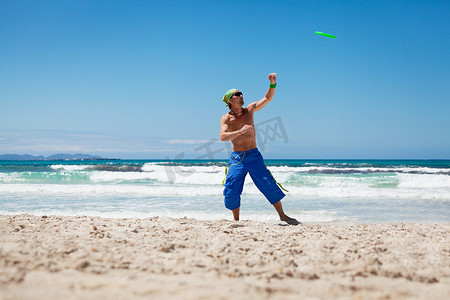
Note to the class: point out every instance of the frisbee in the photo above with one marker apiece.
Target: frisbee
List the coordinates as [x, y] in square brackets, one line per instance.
[325, 34]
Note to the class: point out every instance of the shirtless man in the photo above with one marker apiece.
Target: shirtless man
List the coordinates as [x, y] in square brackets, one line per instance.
[237, 126]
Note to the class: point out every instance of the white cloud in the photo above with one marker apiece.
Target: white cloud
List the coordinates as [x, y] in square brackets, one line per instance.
[186, 142]
[48, 142]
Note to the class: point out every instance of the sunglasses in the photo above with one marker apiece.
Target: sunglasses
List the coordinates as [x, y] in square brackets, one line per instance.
[237, 94]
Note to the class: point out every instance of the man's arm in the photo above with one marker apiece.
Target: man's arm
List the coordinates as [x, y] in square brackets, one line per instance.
[258, 105]
[228, 136]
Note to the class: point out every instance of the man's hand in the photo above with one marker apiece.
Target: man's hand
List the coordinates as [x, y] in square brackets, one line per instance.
[273, 78]
[245, 129]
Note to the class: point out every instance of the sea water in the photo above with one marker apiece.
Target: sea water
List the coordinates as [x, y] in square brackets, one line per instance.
[320, 191]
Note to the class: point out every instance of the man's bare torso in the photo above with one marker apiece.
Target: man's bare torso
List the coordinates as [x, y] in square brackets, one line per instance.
[246, 141]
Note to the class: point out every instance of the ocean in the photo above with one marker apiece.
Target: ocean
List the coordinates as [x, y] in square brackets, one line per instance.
[320, 191]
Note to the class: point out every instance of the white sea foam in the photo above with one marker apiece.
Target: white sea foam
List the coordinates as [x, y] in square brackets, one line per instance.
[424, 181]
[358, 169]
[106, 176]
[11, 177]
[187, 175]
[370, 193]
[409, 186]
[214, 174]
[189, 181]
[109, 190]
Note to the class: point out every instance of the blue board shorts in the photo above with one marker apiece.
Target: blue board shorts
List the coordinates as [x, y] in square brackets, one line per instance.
[252, 162]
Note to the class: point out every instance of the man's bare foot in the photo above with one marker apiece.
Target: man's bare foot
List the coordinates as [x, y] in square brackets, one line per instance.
[290, 221]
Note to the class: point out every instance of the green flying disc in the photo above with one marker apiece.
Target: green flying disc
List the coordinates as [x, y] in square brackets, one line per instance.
[325, 34]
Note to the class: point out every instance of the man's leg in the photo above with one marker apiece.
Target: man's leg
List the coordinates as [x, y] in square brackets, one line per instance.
[264, 181]
[236, 214]
[283, 216]
[234, 184]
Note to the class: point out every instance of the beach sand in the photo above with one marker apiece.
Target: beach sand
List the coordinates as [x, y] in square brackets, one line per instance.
[52, 257]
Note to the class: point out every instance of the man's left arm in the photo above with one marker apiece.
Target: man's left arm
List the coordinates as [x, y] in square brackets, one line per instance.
[258, 105]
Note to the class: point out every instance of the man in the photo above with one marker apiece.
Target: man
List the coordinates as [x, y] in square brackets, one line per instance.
[237, 126]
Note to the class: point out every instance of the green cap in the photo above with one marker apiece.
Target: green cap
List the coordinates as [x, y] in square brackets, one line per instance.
[228, 95]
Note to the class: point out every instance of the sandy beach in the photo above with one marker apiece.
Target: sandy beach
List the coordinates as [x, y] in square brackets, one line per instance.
[52, 257]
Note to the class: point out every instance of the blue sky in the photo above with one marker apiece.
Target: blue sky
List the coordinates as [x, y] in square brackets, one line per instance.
[144, 79]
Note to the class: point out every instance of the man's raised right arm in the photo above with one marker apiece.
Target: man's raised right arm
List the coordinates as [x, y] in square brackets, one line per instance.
[228, 136]
[224, 135]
